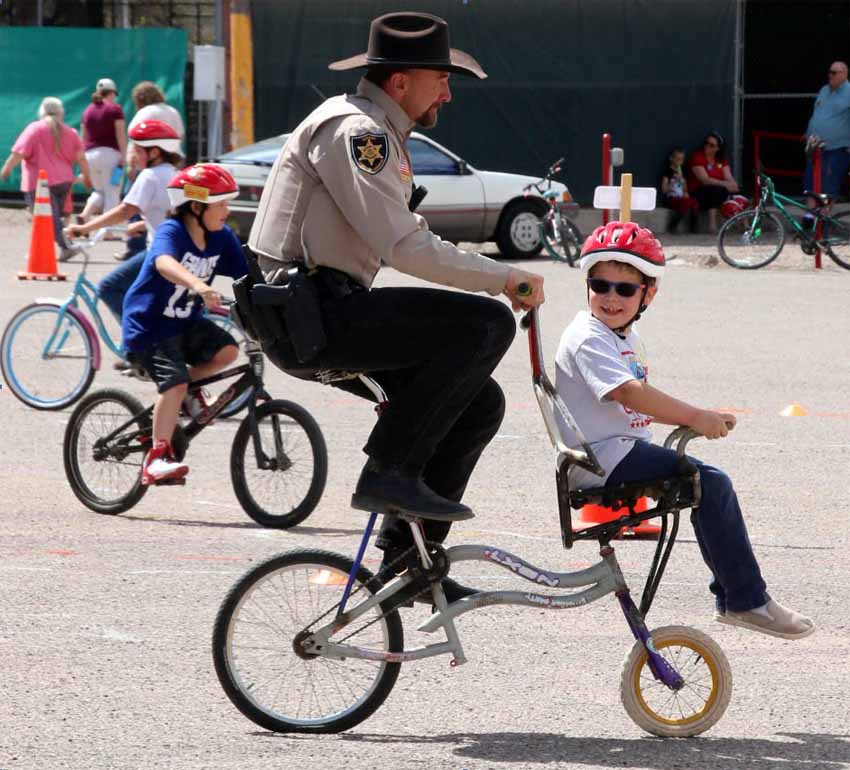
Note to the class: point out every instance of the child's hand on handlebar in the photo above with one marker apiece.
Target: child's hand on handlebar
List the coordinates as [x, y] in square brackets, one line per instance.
[211, 298]
[75, 231]
[524, 290]
[713, 424]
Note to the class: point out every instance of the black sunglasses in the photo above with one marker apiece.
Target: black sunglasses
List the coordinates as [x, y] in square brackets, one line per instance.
[712, 144]
[623, 288]
[834, 72]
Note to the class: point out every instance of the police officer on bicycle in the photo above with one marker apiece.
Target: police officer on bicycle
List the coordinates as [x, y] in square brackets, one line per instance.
[337, 203]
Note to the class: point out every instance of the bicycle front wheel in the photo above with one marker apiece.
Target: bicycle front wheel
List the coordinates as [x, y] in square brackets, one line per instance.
[282, 486]
[698, 705]
[261, 666]
[46, 357]
[751, 239]
[836, 237]
[222, 319]
[105, 470]
[561, 238]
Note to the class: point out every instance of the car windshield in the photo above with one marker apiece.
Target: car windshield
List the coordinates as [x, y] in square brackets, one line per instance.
[262, 153]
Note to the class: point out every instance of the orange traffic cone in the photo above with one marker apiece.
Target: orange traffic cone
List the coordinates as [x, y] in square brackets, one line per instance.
[592, 515]
[41, 264]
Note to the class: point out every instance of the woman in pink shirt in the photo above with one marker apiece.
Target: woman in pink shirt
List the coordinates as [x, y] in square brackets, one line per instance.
[103, 130]
[49, 144]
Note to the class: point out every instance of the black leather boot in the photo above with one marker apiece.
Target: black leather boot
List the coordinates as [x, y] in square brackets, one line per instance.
[389, 489]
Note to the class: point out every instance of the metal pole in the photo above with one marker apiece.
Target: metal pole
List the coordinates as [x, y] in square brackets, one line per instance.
[606, 170]
[738, 89]
[816, 183]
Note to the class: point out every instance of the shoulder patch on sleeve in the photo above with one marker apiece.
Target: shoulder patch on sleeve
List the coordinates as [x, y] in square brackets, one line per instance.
[369, 151]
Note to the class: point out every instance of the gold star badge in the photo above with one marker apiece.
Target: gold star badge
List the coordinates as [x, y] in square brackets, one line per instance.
[369, 152]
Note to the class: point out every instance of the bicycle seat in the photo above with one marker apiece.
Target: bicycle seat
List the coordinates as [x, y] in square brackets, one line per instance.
[823, 199]
[626, 495]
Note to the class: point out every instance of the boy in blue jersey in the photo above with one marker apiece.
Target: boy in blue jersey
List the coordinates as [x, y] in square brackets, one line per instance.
[163, 325]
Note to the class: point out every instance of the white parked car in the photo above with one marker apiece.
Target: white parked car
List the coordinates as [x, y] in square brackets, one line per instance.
[463, 203]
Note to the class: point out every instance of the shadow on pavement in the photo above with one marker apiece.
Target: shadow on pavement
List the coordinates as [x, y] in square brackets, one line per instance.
[804, 751]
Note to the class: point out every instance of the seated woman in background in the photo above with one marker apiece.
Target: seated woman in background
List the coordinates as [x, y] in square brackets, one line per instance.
[710, 180]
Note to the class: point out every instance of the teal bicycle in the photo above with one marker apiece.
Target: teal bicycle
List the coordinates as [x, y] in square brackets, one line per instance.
[50, 350]
[755, 237]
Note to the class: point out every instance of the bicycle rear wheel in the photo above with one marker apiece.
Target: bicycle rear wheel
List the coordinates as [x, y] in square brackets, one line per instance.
[751, 239]
[293, 447]
[561, 239]
[106, 473]
[836, 236]
[222, 319]
[698, 705]
[46, 357]
[261, 666]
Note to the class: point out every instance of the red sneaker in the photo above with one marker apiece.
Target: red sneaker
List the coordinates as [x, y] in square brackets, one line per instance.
[160, 465]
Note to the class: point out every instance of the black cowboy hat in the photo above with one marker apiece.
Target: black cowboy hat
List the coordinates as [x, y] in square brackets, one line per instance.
[412, 40]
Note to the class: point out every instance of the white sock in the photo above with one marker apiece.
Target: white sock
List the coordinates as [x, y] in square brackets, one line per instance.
[762, 611]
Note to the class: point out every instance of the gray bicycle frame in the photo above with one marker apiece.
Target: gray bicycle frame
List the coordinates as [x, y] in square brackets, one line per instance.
[602, 578]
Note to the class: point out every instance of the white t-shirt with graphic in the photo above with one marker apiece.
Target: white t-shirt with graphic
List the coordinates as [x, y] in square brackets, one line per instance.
[591, 362]
[150, 194]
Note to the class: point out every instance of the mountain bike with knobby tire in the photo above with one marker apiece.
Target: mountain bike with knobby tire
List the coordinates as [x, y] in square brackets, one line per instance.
[278, 459]
[755, 237]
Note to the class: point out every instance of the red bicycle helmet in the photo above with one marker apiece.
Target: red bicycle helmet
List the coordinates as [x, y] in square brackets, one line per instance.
[156, 133]
[624, 242]
[203, 182]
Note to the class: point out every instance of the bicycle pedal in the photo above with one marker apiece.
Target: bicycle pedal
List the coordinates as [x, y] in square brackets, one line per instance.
[170, 482]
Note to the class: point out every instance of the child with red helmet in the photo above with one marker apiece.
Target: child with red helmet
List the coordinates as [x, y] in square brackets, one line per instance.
[164, 328]
[601, 374]
[155, 152]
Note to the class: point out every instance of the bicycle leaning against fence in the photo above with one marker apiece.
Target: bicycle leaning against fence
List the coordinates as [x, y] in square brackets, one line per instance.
[278, 460]
[559, 234]
[50, 350]
[755, 237]
[311, 641]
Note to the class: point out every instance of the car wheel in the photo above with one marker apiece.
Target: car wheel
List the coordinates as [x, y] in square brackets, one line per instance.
[518, 233]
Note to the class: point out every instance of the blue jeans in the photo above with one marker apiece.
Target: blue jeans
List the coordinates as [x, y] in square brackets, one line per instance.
[113, 286]
[834, 165]
[737, 583]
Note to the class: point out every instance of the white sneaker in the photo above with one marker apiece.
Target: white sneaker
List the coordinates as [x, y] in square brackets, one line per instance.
[772, 619]
[195, 406]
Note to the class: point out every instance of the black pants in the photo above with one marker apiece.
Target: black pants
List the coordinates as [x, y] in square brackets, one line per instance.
[433, 352]
[710, 196]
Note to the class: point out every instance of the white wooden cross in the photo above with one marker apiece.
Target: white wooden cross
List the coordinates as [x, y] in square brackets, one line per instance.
[625, 198]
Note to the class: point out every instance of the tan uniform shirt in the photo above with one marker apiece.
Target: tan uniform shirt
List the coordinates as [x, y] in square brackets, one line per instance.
[337, 196]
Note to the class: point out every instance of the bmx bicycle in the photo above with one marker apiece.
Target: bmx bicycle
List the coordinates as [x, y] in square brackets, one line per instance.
[559, 235]
[51, 350]
[278, 460]
[311, 641]
[755, 237]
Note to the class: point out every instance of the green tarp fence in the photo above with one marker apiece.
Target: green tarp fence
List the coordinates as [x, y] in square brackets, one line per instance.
[653, 73]
[49, 61]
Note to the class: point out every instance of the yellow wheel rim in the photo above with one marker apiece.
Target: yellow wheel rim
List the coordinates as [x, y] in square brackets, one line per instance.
[696, 666]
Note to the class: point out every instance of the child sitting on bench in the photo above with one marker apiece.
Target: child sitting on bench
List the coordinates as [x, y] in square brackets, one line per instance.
[601, 375]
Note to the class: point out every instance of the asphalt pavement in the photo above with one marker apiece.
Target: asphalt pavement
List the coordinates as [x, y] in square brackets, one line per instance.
[106, 623]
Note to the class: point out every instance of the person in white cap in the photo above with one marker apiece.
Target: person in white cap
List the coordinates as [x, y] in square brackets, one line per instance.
[103, 129]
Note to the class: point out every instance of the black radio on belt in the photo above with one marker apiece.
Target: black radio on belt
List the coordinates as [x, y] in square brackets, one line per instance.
[419, 193]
